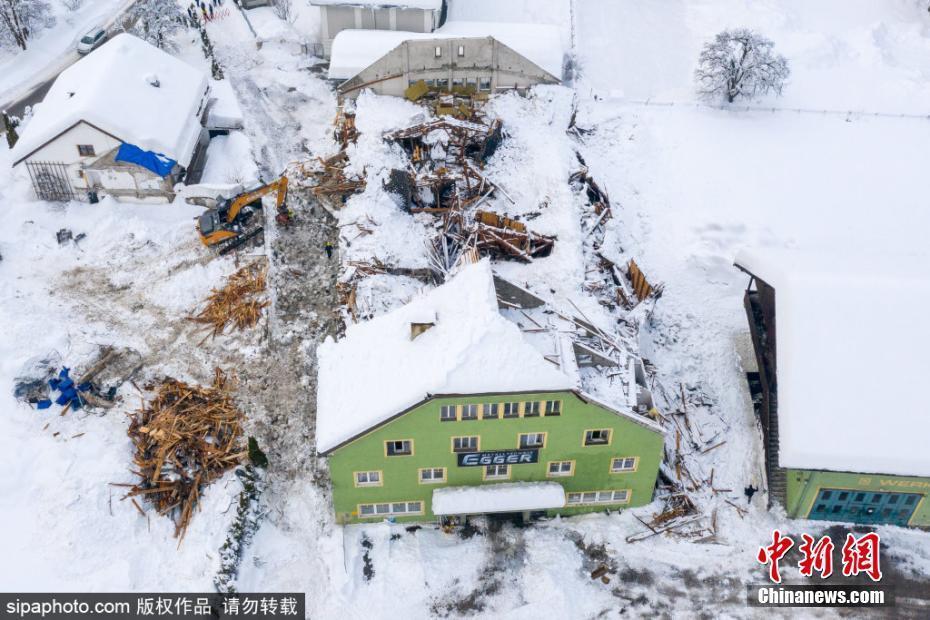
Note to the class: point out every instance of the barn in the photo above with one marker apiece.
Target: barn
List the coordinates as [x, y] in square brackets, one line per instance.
[840, 343]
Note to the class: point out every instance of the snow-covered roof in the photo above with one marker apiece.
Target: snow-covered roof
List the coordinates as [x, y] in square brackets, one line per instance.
[354, 50]
[224, 111]
[506, 497]
[429, 5]
[851, 357]
[377, 371]
[112, 90]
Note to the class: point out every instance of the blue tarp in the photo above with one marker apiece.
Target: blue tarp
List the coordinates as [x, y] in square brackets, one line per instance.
[156, 162]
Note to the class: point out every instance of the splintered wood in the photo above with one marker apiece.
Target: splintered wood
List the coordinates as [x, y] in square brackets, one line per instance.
[238, 303]
[185, 438]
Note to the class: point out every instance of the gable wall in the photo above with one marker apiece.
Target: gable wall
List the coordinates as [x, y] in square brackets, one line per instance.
[433, 448]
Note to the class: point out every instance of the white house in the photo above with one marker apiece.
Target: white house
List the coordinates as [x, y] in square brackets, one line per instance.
[404, 15]
[489, 56]
[124, 121]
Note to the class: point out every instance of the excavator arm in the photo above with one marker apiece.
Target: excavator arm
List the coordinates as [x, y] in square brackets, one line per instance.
[247, 198]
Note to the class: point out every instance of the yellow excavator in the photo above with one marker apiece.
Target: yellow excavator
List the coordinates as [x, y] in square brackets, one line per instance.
[227, 226]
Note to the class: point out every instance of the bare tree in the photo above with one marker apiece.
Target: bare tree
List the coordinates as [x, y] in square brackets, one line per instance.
[740, 63]
[20, 20]
[284, 9]
[156, 21]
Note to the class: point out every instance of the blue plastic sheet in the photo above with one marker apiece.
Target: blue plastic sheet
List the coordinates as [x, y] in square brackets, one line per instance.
[156, 162]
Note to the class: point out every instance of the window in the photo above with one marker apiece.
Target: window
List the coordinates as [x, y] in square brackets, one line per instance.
[469, 412]
[598, 437]
[442, 83]
[390, 509]
[484, 84]
[560, 468]
[465, 444]
[497, 472]
[511, 410]
[86, 150]
[438, 51]
[461, 51]
[532, 440]
[447, 413]
[368, 479]
[490, 411]
[599, 497]
[553, 407]
[432, 475]
[458, 82]
[531, 409]
[621, 464]
[399, 447]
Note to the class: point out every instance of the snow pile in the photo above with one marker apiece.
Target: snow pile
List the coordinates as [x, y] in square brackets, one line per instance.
[354, 50]
[112, 90]
[378, 370]
[429, 5]
[852, 345]
[508, 497]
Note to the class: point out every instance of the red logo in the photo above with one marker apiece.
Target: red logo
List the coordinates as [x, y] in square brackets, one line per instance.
[859, 555]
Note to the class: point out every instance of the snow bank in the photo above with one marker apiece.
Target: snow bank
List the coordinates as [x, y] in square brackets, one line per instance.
[508, 497]
[377, 370]
[851, 351]
[429, 5]
[111, 89]
[354, 50]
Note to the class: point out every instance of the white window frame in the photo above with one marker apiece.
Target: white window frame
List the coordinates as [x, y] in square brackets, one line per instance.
[533, 446]
[553, 408]
[468, 449]
[438, 51]
[586, 443]
[560, 473]
[469, 408]
[461, 51]
[496, 476]
[514, 408]
[432, 471]
[531, 406]
[598, 498]
[444, 411]
[367, 482]
[628, 464]
[495, 407]
[401, 441]
[390, 509]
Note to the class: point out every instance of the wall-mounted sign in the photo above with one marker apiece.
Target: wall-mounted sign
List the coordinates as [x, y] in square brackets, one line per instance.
[498, 457]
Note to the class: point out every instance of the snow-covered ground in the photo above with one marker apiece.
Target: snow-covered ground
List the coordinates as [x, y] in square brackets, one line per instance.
[54, 48]
[690, 185]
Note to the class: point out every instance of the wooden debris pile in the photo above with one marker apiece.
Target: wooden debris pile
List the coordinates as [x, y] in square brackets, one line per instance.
[448, 141]
[185, 438]
[503, 237]
[679, 518]
[326, 177]
[461, 101]
[597, 199]
[239, 303]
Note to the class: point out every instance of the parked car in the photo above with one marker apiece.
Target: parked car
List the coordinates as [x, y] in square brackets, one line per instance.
[92, 40]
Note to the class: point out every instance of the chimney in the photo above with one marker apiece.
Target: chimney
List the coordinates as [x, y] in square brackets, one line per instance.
[421, 324]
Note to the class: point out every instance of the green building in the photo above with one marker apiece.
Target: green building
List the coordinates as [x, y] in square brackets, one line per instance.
[443, 408]
[841, 348]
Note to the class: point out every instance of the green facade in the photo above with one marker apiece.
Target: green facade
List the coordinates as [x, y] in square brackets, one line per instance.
[858, 498]
[432, 448]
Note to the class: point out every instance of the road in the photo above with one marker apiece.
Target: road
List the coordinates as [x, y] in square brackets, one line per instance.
[34, 93]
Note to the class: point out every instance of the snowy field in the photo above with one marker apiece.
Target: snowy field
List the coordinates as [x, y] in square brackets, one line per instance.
[690, 185]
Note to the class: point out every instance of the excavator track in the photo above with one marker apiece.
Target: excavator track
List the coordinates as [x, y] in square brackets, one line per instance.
[232, 244]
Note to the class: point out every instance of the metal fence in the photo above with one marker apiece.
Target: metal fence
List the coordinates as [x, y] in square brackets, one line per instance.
[50, 180]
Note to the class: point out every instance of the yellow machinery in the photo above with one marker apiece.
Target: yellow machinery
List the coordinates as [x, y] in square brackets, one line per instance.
[227, 225]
